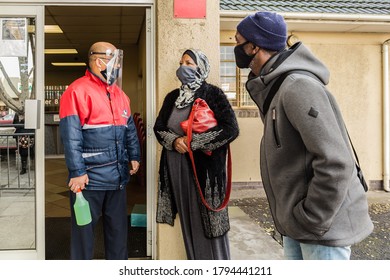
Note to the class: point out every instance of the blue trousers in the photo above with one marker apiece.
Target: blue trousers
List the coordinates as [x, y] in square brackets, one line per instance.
[295, 250]
[112, 207]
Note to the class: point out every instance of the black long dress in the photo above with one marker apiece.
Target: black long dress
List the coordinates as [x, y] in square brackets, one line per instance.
[198, 246]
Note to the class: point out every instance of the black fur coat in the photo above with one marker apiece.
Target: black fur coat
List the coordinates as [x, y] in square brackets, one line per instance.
[211, 170]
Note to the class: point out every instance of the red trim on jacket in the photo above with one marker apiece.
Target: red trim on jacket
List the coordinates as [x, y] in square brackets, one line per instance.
[88, 98]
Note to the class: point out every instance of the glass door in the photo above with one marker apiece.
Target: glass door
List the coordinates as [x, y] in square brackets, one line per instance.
[21, 132]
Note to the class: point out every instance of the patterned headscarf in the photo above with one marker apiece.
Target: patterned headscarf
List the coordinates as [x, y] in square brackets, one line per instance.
[187, 92]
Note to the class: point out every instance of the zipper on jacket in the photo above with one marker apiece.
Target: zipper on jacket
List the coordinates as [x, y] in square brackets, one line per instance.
[116, 140]
[275, 128]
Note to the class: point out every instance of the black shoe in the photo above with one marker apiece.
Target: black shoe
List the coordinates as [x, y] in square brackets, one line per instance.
[23, 171]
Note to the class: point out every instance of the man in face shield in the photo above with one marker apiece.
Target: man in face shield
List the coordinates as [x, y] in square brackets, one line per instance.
[111, 69]
[101, 150]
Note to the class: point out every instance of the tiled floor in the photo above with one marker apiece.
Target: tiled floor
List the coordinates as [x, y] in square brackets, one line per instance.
[56, 191]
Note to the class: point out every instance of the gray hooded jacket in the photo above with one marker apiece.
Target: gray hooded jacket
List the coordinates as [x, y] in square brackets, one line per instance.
[307, 165]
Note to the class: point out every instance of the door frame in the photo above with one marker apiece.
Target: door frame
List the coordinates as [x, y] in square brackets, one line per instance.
[38, 12]
[151, 147]
[37, 8]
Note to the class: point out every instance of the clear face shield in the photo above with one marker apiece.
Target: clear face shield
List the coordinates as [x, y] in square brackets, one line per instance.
[113, 71]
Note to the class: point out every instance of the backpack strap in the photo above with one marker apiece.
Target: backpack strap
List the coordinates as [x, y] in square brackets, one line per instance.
[274, 89]
[357, 164]
[276, 85]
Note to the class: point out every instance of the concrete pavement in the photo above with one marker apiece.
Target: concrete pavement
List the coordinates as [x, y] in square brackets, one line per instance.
[249, 241]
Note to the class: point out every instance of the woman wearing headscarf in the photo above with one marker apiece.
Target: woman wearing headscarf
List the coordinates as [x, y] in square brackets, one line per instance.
[204, 231]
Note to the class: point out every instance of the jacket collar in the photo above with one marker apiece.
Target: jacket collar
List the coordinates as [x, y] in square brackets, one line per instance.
[94, 77]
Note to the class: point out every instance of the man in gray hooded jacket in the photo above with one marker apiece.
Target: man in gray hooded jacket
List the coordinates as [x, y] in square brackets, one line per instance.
[307, 167]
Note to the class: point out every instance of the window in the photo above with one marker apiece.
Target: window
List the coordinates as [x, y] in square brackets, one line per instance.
[233, 79]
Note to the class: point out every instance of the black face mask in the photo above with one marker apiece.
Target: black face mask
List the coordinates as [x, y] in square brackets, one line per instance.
[113, 77]
[242, 59]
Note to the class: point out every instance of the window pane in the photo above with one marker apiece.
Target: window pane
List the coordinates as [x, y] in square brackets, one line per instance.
[229, 83]
[228, 74]
[228, 69]
[227, 53]
[17, 187]
[245, 99]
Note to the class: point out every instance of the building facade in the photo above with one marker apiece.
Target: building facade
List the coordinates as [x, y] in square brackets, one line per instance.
[350, 37]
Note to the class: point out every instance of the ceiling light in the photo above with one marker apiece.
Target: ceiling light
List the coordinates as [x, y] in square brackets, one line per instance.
[69, 64]
[60, 51]
[53, 29]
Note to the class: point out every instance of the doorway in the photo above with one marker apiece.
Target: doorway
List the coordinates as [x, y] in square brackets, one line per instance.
[65, 56]
[21, 81]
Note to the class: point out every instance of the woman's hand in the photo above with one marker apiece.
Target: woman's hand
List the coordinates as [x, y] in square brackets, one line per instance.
[180, 145]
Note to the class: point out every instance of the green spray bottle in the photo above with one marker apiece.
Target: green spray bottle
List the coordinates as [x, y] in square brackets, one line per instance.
[81, 209]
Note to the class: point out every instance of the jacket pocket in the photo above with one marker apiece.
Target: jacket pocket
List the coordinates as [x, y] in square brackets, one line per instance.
[275, 128]
[99, 157]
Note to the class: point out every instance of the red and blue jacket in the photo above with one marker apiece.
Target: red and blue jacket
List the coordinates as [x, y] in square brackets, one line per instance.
[98, 133]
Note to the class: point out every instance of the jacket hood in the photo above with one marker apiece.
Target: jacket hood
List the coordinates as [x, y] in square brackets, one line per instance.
[298, 57]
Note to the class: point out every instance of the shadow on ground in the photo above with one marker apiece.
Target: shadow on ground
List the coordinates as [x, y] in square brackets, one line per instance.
[374, 247]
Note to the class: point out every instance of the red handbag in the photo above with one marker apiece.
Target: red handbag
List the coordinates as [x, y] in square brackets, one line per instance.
[200, 120]
[201, 117]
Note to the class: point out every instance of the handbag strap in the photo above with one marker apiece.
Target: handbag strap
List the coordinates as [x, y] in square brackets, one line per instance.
[229, 166]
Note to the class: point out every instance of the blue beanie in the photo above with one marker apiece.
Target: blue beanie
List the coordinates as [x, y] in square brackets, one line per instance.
[264, 29]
